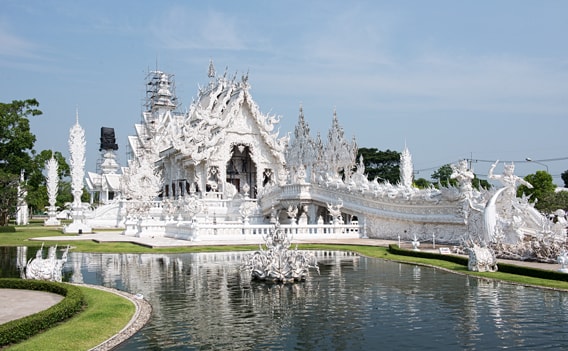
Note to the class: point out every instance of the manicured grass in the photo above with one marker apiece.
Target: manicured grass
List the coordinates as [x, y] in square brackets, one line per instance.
[23, 234]
[106, 314]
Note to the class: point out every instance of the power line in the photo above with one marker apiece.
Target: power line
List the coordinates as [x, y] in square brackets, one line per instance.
[476, 160]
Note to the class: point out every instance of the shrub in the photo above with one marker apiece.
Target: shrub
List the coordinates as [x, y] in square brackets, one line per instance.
[23, 328]
[7, 229]
[393, 248]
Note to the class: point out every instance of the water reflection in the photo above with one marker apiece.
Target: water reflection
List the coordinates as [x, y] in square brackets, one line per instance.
[203, 301]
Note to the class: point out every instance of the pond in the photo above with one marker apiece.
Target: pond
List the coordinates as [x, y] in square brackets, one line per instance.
[204, 302]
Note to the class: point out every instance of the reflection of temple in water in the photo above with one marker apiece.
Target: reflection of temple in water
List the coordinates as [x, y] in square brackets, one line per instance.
[204, 300]
[212, 284]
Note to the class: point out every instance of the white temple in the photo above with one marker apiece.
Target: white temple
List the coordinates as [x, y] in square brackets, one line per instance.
[221, 170]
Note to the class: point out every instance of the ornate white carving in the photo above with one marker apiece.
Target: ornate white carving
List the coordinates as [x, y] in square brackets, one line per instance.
[77, 145]
[52, 184]
[77, 163]
[481, 259]
[49, 268]
[22, 214]
[406, 168]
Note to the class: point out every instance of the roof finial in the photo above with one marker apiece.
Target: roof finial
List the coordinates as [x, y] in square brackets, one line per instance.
[77, 114]
[211, 70]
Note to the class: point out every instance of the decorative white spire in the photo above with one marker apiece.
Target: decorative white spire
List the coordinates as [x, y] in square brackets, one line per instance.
[211, 71]
[52, 180]
[406, 168]
[77, 162]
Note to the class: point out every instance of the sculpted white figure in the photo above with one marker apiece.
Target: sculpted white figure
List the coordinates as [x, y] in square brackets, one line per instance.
[22, 214]
[481, 259]
[277, 263]
[52, 184]
[464, 176]
[509, 180]
[49, 268]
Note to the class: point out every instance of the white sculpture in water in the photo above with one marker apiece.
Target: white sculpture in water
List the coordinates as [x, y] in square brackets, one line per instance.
[49, 268]
[277, 263]
[52, 184]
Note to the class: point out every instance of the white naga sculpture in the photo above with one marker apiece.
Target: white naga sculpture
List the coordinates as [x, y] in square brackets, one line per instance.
[52, 184]
[481, 259]
[49, 268]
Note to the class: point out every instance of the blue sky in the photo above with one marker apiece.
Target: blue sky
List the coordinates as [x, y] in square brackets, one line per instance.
[486, 80]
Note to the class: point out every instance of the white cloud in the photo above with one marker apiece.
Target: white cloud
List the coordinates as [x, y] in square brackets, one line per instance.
[180, 28]
[15, 46]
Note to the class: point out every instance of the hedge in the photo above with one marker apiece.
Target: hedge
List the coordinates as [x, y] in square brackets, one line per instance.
[21, 329]
[393, 248]
[503, 267]
[7, 229]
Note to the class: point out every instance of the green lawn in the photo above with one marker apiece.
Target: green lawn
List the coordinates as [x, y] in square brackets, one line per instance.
[106, 314]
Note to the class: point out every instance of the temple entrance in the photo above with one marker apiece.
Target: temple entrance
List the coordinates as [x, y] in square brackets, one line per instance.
[241, 170]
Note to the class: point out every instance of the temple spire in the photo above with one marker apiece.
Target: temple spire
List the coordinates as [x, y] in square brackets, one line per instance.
[211, 70]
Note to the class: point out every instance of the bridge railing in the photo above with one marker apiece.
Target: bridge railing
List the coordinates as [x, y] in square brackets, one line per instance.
[233, 231]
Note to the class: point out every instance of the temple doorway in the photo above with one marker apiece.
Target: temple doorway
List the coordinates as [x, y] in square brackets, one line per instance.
[241, 170]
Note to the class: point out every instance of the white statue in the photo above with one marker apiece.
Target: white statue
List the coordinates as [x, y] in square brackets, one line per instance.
[481, 259]
[406, 168]
[276, 263]
[52, 183]
[335, 211]
[22, 214]
[509, 180]
[49, 268]
[464, 176]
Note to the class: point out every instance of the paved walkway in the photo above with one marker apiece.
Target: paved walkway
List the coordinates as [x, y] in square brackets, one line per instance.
[15, 303]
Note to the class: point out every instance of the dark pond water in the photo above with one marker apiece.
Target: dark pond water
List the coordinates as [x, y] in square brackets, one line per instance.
[203, 302]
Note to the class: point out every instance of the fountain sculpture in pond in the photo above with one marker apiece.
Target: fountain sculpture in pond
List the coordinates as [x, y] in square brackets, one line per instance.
[277, 263]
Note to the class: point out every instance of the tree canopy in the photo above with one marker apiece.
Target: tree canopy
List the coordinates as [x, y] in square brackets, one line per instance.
[564, 177]
[16, 150]
[543, 189]
[444, 173]
[16, 139]
[384, 165]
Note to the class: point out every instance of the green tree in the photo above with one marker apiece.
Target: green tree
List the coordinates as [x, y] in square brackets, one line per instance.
[443, 176]
[16, 139]
[16, 150]
[480, 183]
[564, 177]
[551, 202]
[543, 187]
[422, 183]
[8, 196]
[384, 165]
